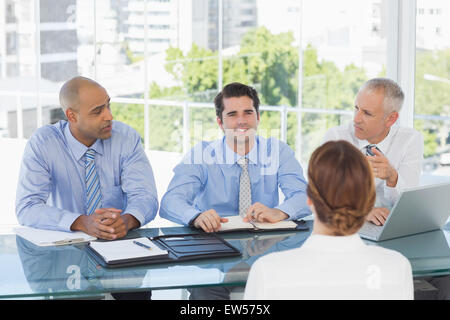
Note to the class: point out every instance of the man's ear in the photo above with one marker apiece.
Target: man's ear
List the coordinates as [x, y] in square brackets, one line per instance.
[392, 118]
[71, 115]
[220, 123]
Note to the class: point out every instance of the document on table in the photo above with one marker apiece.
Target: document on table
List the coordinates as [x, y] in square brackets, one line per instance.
[125, 249]
[237, 223]
[45, 238]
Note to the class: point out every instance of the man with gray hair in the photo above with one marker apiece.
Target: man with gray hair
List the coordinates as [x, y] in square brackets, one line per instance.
[395, 153]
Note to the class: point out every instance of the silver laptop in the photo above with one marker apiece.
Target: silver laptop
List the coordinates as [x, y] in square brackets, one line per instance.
[417, 210]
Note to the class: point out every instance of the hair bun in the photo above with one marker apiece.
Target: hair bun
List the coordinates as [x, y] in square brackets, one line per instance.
[345, 220]
[341, 186]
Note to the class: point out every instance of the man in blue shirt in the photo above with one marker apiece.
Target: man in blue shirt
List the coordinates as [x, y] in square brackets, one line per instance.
[206, 186]
[89, 173]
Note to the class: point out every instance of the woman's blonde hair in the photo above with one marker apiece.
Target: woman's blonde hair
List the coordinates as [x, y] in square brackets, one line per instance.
[341, 186]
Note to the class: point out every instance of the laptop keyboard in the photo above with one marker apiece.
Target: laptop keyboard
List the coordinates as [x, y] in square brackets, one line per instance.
[371, 230]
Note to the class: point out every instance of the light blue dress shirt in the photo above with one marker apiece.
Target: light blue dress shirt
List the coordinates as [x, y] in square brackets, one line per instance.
[208, 178]
[51, 192]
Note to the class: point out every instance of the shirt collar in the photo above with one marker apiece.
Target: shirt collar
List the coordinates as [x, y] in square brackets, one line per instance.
[232, 157]
[325, 243]
[79, 149]
[383, 145]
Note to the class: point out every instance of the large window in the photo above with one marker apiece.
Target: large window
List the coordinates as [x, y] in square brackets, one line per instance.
[258, 42]
[432, 98]
[163, 62]
[343, 46]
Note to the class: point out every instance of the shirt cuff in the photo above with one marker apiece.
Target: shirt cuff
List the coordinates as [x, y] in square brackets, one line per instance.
[291, 212]
[139, 217]
[67, 220]
[392, 193]
[143, 215]
[190, 216]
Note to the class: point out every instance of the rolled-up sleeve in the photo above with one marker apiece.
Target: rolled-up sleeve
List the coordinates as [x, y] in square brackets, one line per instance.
[409, 168]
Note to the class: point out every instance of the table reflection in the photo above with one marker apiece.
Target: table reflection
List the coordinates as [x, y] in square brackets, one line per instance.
[69, 270]
[54, 270]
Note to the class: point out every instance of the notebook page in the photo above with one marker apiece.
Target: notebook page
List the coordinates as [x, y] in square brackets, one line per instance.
[126, 249]
[235, 222]
[285, 224]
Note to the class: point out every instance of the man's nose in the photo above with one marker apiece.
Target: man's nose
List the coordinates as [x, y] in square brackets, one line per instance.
[357, 116]
[107, 115]
[241, 120]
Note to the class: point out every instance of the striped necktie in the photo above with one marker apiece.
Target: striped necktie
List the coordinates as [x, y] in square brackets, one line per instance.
[93, 192]
[245, 191]
[368, 149]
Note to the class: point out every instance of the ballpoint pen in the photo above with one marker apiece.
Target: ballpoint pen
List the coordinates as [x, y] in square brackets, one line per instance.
[68, 241]
[142, 245]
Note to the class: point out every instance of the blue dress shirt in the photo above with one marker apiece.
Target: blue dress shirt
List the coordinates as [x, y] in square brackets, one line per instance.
[51, 192]
[208, 178]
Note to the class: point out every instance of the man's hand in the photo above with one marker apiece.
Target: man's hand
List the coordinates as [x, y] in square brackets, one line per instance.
[261, 213]
[209, 221]
[105, 223]
[382, 169]
[378, 216]
[119, 226]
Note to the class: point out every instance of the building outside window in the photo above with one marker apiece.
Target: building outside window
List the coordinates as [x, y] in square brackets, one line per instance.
[163, 62]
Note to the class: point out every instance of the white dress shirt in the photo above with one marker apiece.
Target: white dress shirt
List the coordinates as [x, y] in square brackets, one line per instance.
[403, 147]
[331, 267]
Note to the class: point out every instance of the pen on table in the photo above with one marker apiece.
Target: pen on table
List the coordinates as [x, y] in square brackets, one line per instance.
[253, 217]
[67, 241]
[142, 245]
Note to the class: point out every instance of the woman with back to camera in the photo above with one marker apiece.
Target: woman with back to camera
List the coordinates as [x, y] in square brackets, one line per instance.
[334, 263]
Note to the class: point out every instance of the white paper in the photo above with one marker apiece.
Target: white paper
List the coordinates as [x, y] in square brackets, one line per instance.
[235, 222]
[285, 224]
[126, 249]
[46, 238]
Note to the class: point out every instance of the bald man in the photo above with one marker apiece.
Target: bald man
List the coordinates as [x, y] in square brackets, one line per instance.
[88, 173]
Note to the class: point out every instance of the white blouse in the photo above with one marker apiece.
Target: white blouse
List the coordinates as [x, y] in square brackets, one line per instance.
[331, 267]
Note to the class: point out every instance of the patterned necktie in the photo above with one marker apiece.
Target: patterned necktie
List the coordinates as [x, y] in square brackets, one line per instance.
[93, 192]
[368, 149]
[245, 191]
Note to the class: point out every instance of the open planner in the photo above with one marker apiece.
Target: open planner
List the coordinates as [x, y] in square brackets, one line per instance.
[160, 249]
[236, 223]
[123, 250]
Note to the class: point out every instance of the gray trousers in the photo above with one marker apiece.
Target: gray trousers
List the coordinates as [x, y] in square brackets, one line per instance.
[211, 293]
[441, 290]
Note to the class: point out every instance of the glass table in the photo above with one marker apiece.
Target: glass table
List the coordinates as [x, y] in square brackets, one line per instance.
[28, 271]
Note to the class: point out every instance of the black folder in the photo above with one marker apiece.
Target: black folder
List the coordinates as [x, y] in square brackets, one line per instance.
[180, 247]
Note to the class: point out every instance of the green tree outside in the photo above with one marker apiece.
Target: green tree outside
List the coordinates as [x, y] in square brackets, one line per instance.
[269, 62]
